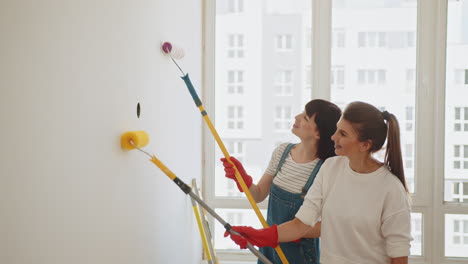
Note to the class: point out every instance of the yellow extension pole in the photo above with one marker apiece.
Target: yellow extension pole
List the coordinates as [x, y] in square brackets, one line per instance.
[205, 224]
[202, 231]
[239, 178]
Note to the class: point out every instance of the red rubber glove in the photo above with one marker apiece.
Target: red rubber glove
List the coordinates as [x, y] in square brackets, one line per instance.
[230, 172]
[265, 237]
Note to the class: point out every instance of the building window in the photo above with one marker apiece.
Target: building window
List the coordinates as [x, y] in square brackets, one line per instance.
[283, 42]
[411, 39]
[461, 77]
[234, 218]
[338, 38]
[408, 156]
[461, 119]
[372, 39]
[460, 156]
[236, 149]
[283, 83]
[460, 232]
[235, 6]
[409, 118]
[460, 191]
[235, 118]
[337, 77]
[372, 76]
[235, 82]
[410, 77]
[235, 46]
[283, 118]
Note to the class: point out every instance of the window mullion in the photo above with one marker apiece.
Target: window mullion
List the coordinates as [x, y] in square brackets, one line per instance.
[208, 95]
[321, 48]
[432, 115]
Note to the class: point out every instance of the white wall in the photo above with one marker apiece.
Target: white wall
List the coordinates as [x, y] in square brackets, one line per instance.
[71, 75]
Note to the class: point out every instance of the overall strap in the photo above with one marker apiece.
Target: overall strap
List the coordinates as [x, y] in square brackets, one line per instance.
[311, 178]
[283, 157]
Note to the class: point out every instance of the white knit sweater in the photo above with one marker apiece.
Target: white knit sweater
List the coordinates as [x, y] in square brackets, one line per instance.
[365, 217]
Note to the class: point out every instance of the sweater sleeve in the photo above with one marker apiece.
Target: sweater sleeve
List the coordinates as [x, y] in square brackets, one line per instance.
[396, 223]
[396, 230]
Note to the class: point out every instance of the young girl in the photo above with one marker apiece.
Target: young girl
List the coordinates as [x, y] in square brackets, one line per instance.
[363, 203]
[290, 173]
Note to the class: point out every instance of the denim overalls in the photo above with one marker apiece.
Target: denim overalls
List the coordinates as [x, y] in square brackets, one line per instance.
[282, 207]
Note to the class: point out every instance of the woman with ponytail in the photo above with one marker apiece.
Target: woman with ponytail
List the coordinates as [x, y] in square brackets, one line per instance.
[362, 203]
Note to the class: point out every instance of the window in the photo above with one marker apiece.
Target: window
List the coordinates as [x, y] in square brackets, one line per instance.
[377, 42]
[461, 119]
[283, 118]
[416, 233]
[408, 156]
[371, 76]
[410, 77]
[337, 77]
[460, 191]
[283, 83]
[455, 173]
[372, 39]
[456, 235]
[411, 39]
[461, 77]
[234, 217]
[460, 157]
[235, 46]
[236, 149]
[272, 82]
[284, 42]
[409, 118]
[235, 6]
[235, 118]
[338, 38]
[235, 83]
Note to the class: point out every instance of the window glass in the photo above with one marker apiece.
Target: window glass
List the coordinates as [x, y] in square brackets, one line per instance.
[456, 105]
[260, 90]
[417, 234]
[379, 56]
[456, 235]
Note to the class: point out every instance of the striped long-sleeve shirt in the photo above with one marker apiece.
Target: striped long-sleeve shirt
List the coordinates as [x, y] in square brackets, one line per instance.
[293, 176]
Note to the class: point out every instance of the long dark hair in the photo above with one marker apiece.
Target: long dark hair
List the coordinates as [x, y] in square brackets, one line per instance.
[370, 124]
[327, 115]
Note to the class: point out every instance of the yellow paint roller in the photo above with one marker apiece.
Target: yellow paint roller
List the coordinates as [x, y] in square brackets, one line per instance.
[138, 138]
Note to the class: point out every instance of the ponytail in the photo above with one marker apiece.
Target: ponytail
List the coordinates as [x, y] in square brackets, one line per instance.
[393, 157]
